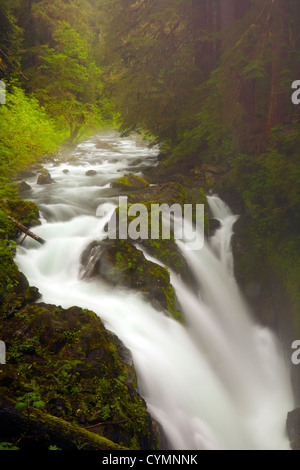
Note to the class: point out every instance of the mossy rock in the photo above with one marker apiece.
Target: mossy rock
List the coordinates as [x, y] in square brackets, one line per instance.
[45, 178]
[130, 182]
[166, 193]
[14, 291]
[80, 370]
[25, 212]
[121, 263]
[173, 193]
[24, 187]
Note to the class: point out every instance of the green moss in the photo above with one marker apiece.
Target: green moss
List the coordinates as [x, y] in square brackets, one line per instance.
[131, 181]
[25, 212]
[8, 270]
[130, 268]
[68, 357]
[124, 181]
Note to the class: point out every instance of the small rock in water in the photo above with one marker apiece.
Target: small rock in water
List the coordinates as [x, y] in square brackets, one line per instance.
[214, 225]
[66, 172]
[91, 173]
[24, 187]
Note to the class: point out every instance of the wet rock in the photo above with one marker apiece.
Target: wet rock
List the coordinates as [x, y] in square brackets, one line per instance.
[24, 187]
[91, 260]
[79, 371]
[91, 173]
[56, 407]
[137, 162]
[130, 181]
[45, 178]
[120, 263]
[214, 225]
[66, 172]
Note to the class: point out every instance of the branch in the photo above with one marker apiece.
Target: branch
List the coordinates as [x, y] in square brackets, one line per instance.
[27, 232]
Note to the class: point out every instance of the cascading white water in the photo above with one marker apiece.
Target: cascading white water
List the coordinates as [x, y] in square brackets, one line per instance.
[220, 382]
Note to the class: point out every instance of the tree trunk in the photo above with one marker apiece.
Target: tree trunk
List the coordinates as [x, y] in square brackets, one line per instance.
[227, 13]
[73, 133]
[202, 12]
[280, 41]
[225, 18]
[27, 232]
[241, 7]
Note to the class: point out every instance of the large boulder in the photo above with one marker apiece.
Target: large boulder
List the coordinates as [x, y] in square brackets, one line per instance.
[24, 187]
[45, 178]
[130, 182]
[82, 374]
[120, 263]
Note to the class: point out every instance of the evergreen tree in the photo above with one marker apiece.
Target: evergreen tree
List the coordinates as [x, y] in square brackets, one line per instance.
[69, 83]
[10, 41]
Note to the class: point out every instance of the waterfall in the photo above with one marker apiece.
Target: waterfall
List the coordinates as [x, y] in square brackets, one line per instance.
[219, 381]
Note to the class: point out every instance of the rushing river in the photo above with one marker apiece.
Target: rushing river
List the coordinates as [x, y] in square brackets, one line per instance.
[220, 382]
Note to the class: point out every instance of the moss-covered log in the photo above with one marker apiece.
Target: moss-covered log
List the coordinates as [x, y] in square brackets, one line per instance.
[38, 430]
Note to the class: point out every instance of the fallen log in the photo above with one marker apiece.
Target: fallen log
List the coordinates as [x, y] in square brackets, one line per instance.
[27, 232]
[37, 430]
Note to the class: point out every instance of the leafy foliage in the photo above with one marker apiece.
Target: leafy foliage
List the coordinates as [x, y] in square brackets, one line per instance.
[10, 41]
[8, 446]
[26, 132]
[269, 186]
[70, 82]
[28, 400]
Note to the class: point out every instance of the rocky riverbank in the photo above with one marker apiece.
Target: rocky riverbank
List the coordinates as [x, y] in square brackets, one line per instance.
[78, 372]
